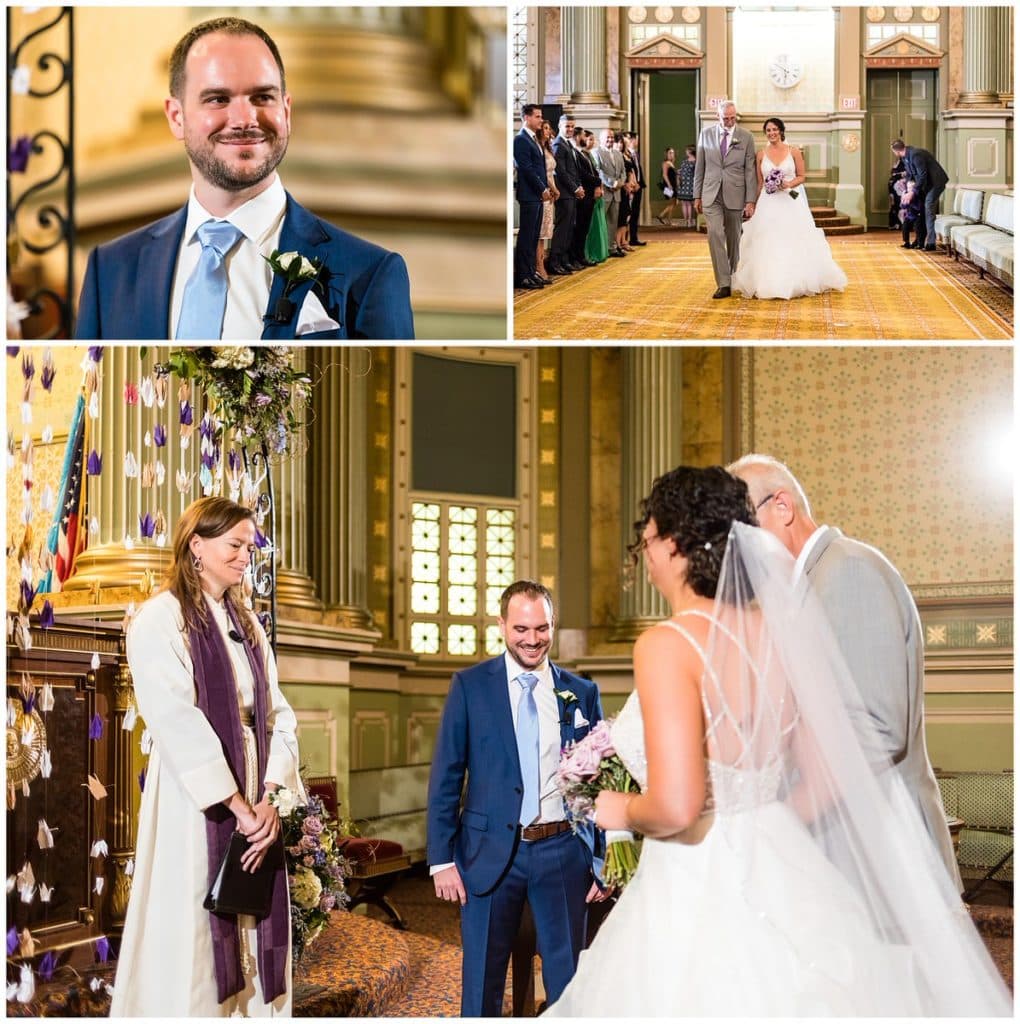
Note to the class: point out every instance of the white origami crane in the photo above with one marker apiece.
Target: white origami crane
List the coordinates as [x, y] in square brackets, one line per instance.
[129, 867]
[98, 887]
[130, 717]
[130, 466]
[47, 499]
[26, 944]
[146, 742]
[95, 663]
[45, 892]
[46, 764]
[129, 541]
[99, 849]
[47, 434]
[147, 392]
[26, 986]
[26, 412]
[94, 405]
[44, 836]
[46, 697]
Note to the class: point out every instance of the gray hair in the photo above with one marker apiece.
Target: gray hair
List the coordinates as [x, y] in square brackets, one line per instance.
[774, 475]
[723, 104]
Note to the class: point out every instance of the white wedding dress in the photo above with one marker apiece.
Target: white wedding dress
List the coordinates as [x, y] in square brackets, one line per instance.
[782, 253]
[751, 911]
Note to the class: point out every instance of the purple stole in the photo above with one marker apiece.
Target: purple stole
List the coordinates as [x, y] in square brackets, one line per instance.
[216, 692]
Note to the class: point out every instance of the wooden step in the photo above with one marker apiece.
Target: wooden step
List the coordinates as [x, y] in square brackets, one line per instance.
[824, 212]
[843, 229]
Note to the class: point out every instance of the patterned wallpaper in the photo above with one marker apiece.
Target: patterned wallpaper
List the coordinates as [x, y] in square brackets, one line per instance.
[905, 448]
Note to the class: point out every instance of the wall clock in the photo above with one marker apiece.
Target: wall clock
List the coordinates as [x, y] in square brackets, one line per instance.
[784, 71]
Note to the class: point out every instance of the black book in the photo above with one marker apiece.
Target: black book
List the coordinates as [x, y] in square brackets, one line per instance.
[236, 891]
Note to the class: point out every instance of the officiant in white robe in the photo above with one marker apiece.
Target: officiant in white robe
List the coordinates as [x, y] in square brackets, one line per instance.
[166, 965]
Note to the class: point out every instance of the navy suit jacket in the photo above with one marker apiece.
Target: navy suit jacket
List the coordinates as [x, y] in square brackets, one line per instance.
[477, 739]
[364, 288]
[532, 180]
[926, 171]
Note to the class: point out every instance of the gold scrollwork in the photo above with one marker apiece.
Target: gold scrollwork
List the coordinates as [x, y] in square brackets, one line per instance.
[851, 142]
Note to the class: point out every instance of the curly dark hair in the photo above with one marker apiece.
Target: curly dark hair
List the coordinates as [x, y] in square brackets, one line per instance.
[696, 507]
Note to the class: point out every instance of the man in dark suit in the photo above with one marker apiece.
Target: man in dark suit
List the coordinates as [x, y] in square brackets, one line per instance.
[589, 177]
[532, 192]
[635, 199]
[504, 839]
[568, 181]
[204, 272]
[930, 180]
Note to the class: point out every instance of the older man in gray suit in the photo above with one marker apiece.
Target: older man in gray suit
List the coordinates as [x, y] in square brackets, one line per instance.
[613, 173]
[876, 625]
[725, 189]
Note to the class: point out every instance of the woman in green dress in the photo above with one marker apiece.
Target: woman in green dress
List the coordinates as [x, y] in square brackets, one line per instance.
[596, 246]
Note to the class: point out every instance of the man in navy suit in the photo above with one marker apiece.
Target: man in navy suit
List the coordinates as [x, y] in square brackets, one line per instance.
[505, 839]
[930, 180]
[202, 272]
[532, 192]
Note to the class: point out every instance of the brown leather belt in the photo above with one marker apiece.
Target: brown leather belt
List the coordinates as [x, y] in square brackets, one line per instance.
[532, 833]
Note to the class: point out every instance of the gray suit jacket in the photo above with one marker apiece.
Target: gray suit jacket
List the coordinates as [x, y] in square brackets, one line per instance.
[611, 168]
[878, 629]
[735, 176]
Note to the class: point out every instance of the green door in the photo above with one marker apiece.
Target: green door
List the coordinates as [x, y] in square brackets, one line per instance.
[901, 105]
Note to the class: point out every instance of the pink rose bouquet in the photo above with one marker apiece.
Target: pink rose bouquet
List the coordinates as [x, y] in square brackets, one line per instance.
[586, 768]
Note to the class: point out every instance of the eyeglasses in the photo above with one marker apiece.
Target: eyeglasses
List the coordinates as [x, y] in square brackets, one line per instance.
[645, 541]
[767, 497]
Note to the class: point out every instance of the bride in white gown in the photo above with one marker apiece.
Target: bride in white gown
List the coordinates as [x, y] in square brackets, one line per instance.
[782, 253]
[783, 871]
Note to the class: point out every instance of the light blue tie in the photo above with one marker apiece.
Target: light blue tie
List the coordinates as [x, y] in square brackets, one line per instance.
[205, 294]
[527, 746]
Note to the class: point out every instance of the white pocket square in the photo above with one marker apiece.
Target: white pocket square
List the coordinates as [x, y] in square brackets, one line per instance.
[579, 719]
[313, 317]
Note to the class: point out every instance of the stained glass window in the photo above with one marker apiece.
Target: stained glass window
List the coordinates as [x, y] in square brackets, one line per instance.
[462, 558]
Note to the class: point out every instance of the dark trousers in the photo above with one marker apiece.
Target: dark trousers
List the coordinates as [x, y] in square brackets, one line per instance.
[563, 229]
[635, 214]
[554, 876]
[585, 212]
[527, 241]
[926, 228]
[917, 226]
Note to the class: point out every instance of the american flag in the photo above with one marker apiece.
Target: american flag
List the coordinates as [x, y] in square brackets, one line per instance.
[68, 534]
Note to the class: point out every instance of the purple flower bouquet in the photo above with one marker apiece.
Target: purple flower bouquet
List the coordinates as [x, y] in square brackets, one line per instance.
[586, 769]
[774, 183]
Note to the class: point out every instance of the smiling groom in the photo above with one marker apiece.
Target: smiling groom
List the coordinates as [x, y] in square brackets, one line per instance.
[504, 838]
[242, 260]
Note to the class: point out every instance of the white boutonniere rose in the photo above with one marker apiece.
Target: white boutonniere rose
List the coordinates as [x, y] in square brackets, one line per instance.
[567, 696]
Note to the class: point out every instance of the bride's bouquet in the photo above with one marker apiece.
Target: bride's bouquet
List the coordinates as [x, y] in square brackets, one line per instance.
[774, 183]
[586, 768]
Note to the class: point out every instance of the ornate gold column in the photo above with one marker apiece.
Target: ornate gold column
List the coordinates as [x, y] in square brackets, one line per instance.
[652, 435]
[1004, 43]
[337, 478]
[981, 74]
[294, 587]
[583, 44]
[123, 823]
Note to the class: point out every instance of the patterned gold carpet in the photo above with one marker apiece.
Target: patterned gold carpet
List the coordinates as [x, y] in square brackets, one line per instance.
[664, 291]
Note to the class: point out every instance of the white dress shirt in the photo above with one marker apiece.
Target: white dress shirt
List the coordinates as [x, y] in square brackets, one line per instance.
[249, 276]
[798, 566]
[550, 801]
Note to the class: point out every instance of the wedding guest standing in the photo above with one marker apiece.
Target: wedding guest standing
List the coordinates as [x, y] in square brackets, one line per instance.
[588, 175]
[596, 248]
[504, 839]
[613, 175]
[568, 181]
[532, 192]
[668, 185]
[634, 223]
[627, 194]
[930, 178]
[201, 273]
[223, 738]
[685, 186]
[876, 624]
[545, 137]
